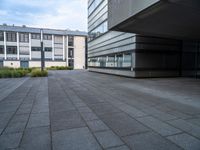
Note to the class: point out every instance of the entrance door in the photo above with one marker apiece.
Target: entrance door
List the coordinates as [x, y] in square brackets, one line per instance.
[24, 64]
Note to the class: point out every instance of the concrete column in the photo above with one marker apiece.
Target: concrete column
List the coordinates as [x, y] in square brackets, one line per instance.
[63, 47]
[132, 61]
[41, 36]
[123, 58]
[67, 50]
[115, 60]
[18, 45]
[5, 52]
[53, 48]
[30, 54]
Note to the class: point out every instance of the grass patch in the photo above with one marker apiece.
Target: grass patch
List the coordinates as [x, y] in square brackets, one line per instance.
[39, 73]
[59, 68]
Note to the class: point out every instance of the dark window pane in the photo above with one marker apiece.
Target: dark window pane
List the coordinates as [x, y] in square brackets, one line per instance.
[11, 37]
[24, 37]
[11, 49]
[1, 36]
[70, 41]
[35, 49]
[71, 52]
[1, 49]
[102, 28]
[47, 37]
[48, 49]
[35, 36]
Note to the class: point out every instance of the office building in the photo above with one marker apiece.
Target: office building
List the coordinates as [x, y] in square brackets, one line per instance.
[178, 20]
[118, 45]
[126, 54]
[21, 47]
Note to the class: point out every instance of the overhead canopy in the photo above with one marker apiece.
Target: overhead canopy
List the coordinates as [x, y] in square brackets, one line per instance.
[167, 18]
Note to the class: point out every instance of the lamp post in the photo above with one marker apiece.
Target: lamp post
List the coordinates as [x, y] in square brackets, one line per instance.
[42, 51]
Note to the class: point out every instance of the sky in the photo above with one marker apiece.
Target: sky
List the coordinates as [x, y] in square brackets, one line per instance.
[56, 14]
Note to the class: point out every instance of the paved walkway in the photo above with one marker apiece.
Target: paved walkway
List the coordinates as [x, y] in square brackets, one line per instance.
[80, 110]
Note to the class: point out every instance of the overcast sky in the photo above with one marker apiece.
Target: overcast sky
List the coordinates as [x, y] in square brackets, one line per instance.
[58, 14]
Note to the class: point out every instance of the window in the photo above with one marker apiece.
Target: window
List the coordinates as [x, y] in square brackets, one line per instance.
[71, 63]
[35, 36]
[47, 37]
[11, 37]
[1, 36]
[24, 37]
[127, 60]
[11, 49]
[102, 28]
[70, 41]
[71, 52]
[47, 49]
[1, 49]
[93, 6]
[118, 60]
[35, 49]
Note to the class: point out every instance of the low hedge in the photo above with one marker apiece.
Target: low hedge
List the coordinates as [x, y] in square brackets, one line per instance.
[60, 68]
[12, 73]
[39, 73]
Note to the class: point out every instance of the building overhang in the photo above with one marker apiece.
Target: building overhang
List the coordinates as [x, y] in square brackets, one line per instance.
[167, 18]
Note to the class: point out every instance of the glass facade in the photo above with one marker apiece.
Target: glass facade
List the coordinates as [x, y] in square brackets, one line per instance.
[102, 28]
[119, 60]
[107, 49]
[93, 6]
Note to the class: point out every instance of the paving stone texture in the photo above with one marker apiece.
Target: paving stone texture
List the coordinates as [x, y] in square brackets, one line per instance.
[81, 110]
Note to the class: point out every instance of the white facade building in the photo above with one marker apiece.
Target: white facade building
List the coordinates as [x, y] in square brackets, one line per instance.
[21, 47]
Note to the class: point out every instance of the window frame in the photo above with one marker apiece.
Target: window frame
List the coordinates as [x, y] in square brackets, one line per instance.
[1, 36]
[24, 37]
[11, 50]
[2, 49]
[11, 36]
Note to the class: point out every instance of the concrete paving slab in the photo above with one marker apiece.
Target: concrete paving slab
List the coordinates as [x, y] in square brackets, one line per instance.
[123, 125]
[159, 126]
[97, 125]
[38, 120]
[124, 147]
[185, 141]
[36, 139]
[150, 141]
[74, 139]
[10, 140]
[108, 139]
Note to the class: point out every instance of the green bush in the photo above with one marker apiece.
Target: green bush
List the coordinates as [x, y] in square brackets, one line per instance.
[60, 68]
[39, 73]
[12, 73]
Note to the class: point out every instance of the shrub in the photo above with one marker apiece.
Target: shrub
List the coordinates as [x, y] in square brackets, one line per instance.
[39, 73]
[60, 68]
[12, 73]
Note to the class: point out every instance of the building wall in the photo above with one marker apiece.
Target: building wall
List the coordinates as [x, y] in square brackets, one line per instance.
[129, 54]
[56, 56]
[13, 64]
[79, 53]
[107, 49]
